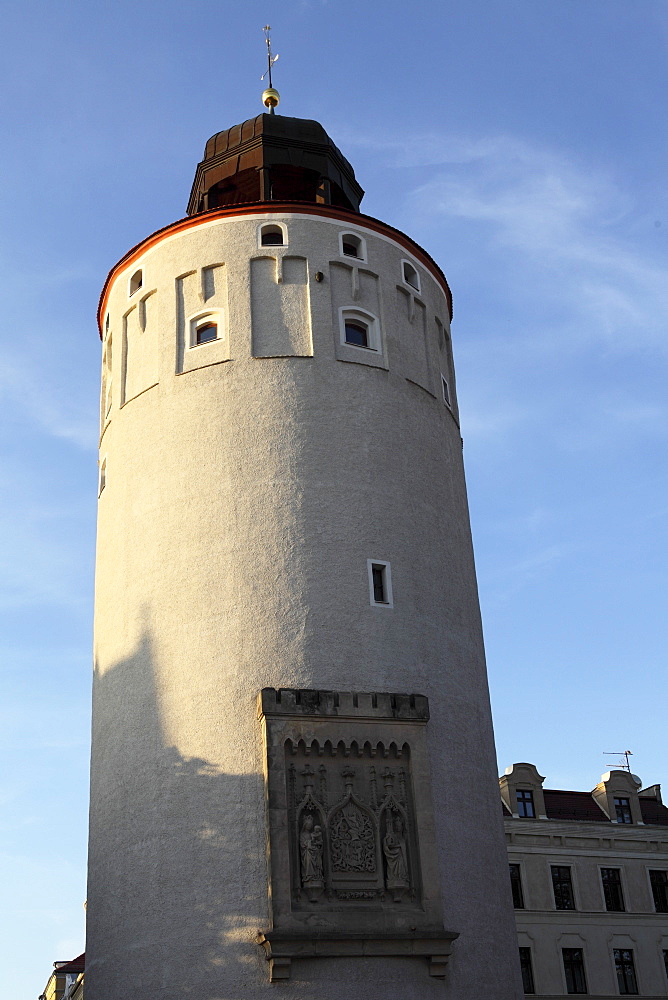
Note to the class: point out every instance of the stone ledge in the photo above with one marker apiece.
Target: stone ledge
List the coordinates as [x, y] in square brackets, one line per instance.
[281, 947]
[343, 704]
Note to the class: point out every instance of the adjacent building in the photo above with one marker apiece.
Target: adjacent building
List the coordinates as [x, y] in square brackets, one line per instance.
[66, 980]
[589, 876]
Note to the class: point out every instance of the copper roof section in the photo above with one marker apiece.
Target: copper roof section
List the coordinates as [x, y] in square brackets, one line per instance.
[273, 158]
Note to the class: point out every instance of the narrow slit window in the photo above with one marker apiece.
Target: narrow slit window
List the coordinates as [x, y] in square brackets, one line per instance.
[380, 583]
[446, 391]
[272, 236]
[103, 477]
[411, 277]
[136, 281]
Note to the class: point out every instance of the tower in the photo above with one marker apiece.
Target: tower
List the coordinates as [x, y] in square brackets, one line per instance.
[292, 769]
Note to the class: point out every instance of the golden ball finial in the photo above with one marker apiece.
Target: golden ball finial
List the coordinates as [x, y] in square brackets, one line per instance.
[270, 98]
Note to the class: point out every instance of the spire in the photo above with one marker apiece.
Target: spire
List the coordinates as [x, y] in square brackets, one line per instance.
[270, 97]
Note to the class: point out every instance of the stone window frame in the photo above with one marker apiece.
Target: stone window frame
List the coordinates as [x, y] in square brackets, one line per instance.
[201, 318]
[387, 583]
[271, 225]
[135, 285]
[366, 318]
[415, 288]
[361, 246]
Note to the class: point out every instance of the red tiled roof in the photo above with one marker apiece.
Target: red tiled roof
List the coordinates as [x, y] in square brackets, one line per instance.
[76, 965]
[572, 805]
[653, 811]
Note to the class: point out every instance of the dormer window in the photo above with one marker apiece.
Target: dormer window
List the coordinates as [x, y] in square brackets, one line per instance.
[623, 810]
[410, 275]
[136, 281]
[352, 246]
[525, 806]
[272, 236]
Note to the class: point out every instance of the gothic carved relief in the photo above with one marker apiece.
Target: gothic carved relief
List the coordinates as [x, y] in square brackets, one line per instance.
[353, 868]
[351, 839]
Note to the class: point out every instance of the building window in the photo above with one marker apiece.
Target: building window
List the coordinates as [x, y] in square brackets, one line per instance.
[612, 889]
[574, 970]
[205, 329]
[136, 281]
[516, 884]
[357, 333]
[562, 886]
[626, 973]
[446, 390]
[411, 277]
[665, 962]
[380, 583]
[623, 810]
[103, 476]
[659, 882]
[359, 329]
[527, 971]
[272, 236]
[525, 807]
[352, 246]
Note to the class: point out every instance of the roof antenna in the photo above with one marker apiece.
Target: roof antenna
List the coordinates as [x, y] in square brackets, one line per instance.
[622, 764]
[270, 97]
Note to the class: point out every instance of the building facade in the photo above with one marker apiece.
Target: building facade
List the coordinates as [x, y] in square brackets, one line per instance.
[589, 877]
[289, 686]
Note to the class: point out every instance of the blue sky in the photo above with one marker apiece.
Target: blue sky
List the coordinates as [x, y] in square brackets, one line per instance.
[523, 143]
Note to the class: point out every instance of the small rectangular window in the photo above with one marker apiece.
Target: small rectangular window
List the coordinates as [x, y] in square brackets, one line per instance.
[626, 972]
[103, 476]
[612, 889]
[516, 885]
[574, 970]
[659, 882]
[446, 390]
[562, 887]
[380, 583]
[525, 806]
[527, 971]
[623, 810]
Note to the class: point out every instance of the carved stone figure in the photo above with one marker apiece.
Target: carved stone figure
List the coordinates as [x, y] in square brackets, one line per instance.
[310, 849]
[352, 840]
[396, 859]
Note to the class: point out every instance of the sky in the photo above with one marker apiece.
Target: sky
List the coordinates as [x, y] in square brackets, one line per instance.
[523, 143]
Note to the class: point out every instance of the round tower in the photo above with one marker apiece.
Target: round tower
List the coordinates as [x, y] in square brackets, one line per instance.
[293, 770]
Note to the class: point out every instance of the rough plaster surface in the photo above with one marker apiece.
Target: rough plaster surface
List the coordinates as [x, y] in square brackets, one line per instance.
[243, 498]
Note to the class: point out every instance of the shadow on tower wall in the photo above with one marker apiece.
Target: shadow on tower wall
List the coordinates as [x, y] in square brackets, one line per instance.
[177, 866]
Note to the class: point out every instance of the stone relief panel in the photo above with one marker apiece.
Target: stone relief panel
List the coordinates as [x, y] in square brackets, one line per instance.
[352, 823]
[352, 863]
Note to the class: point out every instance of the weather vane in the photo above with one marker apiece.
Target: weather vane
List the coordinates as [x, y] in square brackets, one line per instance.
[270, 97]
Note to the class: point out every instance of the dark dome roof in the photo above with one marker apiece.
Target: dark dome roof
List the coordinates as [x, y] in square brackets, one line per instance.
[271, 157]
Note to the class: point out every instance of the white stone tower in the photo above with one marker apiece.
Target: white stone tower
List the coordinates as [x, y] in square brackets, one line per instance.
[293, 770]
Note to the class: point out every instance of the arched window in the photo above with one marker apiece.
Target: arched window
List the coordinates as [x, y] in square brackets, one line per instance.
[205, 329]
[359, 329]
[136, 281]
[352, 245]
[410, 275]
[272, 235]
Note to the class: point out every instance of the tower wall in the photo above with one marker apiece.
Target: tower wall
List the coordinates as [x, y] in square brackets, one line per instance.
[247, 482]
